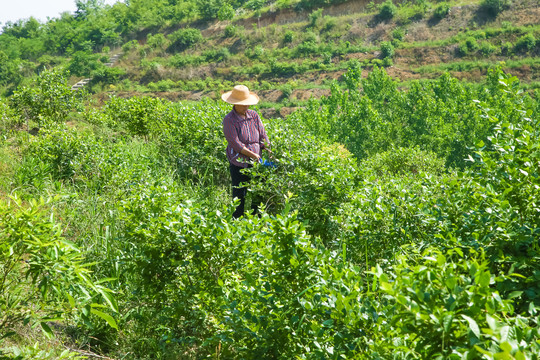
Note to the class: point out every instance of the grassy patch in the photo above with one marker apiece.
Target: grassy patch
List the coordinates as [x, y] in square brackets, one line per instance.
[471, 65]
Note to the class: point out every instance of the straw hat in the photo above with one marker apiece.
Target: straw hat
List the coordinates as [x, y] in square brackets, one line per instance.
[240, 95]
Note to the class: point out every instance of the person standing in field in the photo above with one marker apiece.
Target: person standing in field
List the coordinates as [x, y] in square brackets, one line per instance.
[246, 138]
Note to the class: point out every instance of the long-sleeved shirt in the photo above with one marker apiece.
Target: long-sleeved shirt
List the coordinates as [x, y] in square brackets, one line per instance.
[240, 133]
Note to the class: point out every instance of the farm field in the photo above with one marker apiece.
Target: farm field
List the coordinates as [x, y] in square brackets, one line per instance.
[398, 224]
[401, 221]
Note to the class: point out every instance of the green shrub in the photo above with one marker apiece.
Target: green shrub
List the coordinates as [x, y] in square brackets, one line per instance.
[525, 43]
[226, 12]
[398, 34]
[403, 162]
[36, 352]
[63, 155]
[180, 61]
[418, 11]
[480, 35]
[476, 322]
[9, 119]
[441, 11]
[196, 155]
[309, 37]
[156, 41]
[42, 270]
[315, 17]
[216, 55]
[83, 63]
[162, 85]
[486, 49]
[387, 62]
[256, 53]
[231, 30]
[469, 45]
[288, 36]
[286, 91]
[387, 10]
[48, 99]
[315, 173]
[507, 48]
[254, 5]
[208, 9]
[140, 116]
[107, 75]
[329, 24]
[472, 43]
[493, 7]
[306, 47]
[130, 45]
[387, 50]
[326, 58]
[184, 38]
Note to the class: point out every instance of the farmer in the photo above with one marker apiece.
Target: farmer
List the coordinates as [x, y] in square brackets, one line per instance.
[246, 137]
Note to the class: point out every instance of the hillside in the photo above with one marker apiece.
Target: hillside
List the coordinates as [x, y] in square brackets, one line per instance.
[287, 52]
[290, 56]
[323, 46]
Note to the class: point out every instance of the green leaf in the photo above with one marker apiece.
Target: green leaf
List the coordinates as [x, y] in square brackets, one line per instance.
[447, 322]
[484, 279]
[491, 322]
[472, 325]
[451, 282]
[46, 329]
[71, 300]
[504, 332]
[109, 298]
[8, 334]
[386, 286]
[108, 318]
[328, 323]
[441, 259]
[505, 346]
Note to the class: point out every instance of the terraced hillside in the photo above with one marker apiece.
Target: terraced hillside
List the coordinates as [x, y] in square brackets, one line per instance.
[287, 50]
[291, 55]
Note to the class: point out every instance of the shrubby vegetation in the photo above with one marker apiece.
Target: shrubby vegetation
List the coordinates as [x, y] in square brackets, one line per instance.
[494, 7]
[387, 10]
[441, 11]
[388, 213]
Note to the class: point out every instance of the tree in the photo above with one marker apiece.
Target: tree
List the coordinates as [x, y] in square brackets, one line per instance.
[208, 9]
[48, 99]
[87, 7]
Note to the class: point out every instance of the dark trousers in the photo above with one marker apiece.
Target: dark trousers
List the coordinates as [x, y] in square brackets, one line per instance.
[240, 192]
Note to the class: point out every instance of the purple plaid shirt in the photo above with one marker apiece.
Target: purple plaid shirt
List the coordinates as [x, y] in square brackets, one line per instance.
[240, 133]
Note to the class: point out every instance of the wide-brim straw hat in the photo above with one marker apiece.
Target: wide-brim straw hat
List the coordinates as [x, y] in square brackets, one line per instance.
[240, 95]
